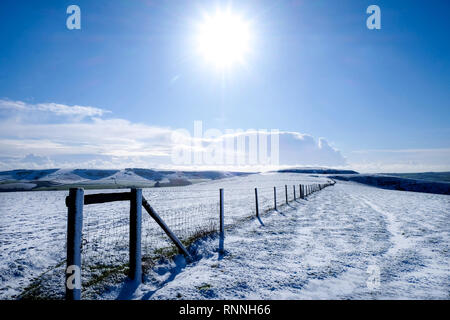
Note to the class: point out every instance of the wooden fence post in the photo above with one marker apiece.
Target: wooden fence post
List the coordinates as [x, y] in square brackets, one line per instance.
[221, 219]
[74, 242]
[135, 272]
[222, 224]
[294, 191]
[256, 202]
[285, 191]
[275, 197]
[300, 190]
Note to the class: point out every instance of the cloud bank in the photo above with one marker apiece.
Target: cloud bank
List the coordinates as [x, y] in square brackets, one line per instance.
[53, 135]
[400, 160]
[60, 136]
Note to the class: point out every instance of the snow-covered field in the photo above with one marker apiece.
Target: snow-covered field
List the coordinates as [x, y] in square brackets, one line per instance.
[315, 248]
[33, 224]
[322, 248]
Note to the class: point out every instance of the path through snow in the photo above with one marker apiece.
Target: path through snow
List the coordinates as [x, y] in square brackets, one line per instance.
[321, 248]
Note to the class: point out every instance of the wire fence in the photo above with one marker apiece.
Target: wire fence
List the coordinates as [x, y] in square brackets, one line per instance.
[190, 213]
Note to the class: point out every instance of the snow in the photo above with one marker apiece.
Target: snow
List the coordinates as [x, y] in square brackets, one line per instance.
[18, 185]
[319, 248]
[124, 176]
[397, 183]
[63, 176]
[33, 224]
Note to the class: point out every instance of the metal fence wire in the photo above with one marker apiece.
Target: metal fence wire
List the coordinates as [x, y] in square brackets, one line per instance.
[190, 213]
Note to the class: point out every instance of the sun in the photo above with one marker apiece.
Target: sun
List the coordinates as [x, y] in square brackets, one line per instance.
[223, 39]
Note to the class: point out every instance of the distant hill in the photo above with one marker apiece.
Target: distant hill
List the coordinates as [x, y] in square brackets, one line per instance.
[60, 179]
[318, 171]
[428, 176]
[25, 175]
[397, 183]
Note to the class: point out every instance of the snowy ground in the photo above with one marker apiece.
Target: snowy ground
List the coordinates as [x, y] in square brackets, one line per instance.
[316, 248]
[321, 249]
[33, 225]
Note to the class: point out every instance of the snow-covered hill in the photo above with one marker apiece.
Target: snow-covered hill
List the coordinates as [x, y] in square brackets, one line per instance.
[317, 170]
[25, 180]
[397, 183]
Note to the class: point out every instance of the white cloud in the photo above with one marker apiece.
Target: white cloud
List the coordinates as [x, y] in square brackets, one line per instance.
[400, 160]
[48, 135]
[87, 139]
[54, 108]
[304, 149]
[60, 109]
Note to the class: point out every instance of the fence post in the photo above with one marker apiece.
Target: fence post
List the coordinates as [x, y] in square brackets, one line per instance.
[285, 191]
[135, 235]
[74, 238]
[300, 190]
[294, 191]
[222, 227]
[256, 202]
[275, 197]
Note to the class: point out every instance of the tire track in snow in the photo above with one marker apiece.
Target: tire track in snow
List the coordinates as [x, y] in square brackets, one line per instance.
[312, 250]
[399, 241]
[415, 266]
[320, 249]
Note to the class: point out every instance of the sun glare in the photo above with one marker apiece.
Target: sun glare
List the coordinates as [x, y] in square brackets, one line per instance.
[223, 39]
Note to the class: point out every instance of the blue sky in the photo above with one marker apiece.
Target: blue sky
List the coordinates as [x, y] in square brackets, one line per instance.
[379, 98]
